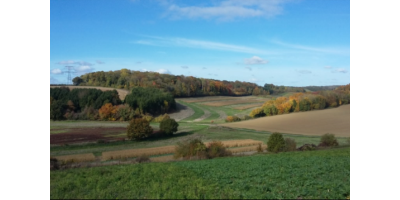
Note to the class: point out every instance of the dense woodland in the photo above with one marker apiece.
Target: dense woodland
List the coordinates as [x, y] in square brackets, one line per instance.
[178, 86]
[94, 104]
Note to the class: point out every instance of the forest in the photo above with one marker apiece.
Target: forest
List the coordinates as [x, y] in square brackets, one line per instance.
[178, 86]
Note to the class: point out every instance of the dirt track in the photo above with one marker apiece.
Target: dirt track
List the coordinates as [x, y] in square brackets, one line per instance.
[318, 122]
[182, 113]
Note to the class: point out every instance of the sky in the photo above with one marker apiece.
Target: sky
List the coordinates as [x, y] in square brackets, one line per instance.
[283, 42]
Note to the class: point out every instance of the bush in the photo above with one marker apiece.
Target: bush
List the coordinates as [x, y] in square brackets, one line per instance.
[190, 148]
[276, 143]
[138, 129]
[328, 140]
[217, 149]
[290, 144]
[258, 112]
[259, 148]
[54, 164]
[169, 126]
[148, 117]
[246, 117]
[161, 118]
[232, 119]
[307, 147]
[142, 158]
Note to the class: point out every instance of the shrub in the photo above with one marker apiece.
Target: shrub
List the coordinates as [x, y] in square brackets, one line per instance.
[217, 149]
[259, 148]
[169, 126]
[54, 164]
[190, 148]
[258, 112]
[232, 119]
[328, 140]
[307, 147]
[276, 143]
[148, 117]
[142, 158]
[290, 144]
[246, 117]
[138, 129]
[161, 118]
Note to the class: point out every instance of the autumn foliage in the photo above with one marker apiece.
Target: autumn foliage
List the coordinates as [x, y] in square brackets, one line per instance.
[107, 112]
[138, 129]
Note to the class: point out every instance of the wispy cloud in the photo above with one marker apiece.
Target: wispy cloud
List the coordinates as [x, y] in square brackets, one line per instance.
[184, 67]
[249, 68]
[341, 51]
[56, 71]
[204, 68]
[328, 67]
[163, 71]
[255, 60]
[99, 62]
[228, 10]
[71, 62]
[201, 44]
[84, 69]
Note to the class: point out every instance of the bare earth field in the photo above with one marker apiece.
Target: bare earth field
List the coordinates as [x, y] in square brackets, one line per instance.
[81, 135]
[182, 112]
[318, 122]
[121, 92]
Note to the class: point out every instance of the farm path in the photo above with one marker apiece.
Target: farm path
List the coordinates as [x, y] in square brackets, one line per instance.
[222, 114]
[207, 113]
[183, 112]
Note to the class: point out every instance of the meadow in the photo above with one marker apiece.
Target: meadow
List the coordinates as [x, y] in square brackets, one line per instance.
[323, 174]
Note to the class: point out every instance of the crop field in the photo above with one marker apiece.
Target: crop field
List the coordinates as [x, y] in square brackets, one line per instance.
[206, 99]
[121, 92]
[323, 174]
[77, 157]
[317, 122]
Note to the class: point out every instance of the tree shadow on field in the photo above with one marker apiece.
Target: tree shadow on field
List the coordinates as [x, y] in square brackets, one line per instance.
[158, 136]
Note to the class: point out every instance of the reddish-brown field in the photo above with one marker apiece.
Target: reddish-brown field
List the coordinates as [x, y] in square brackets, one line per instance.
[318, 122]
[121, 92]
[80, 135]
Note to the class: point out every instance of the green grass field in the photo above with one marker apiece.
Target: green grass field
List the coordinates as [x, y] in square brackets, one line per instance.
[323, 174]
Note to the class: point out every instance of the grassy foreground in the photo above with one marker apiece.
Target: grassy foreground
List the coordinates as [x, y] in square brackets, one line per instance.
[316, 174]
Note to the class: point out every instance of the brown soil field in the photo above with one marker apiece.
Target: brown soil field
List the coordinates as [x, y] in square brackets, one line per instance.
[130, 153]
[121, 92]
[227, 103]
[317, 122]
[81, 135]
[248, 106]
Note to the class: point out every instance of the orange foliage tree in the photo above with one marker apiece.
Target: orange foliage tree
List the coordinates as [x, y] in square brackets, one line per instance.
[107, 112]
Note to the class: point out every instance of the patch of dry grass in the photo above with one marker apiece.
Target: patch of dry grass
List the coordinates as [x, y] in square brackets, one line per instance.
[130, 153]
[246, 149]
[238, 143]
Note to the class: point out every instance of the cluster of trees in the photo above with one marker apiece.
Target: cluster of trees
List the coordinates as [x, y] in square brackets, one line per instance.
[139, 128]
[273, 89]
[304, 102]
[178, 86]
[150, 100]
[94, 104]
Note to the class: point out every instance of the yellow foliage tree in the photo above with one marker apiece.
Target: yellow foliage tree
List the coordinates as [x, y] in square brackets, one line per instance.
[107, 112]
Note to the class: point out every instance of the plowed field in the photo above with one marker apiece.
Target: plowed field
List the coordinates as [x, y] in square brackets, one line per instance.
[318, 122]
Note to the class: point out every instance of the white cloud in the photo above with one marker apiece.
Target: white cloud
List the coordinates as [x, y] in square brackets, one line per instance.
[84, 69]
[163, 71]
[56, 71]
[201, 44]
[255, 60]
[229, 9]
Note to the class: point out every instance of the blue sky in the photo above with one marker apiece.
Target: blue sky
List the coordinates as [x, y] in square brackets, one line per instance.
[283, 42]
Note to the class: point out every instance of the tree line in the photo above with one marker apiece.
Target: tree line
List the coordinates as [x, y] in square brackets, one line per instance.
[304, 102]
[178, 86]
